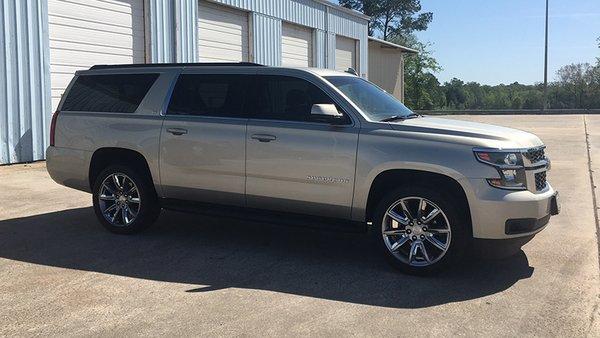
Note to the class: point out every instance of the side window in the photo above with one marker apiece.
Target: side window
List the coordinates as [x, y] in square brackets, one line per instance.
[287, 98]
[208, 95]
[119, 93]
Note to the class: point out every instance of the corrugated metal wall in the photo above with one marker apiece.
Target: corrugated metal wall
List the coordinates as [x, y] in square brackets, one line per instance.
[320, 50]
[266, 39]
[24, 80]
[186, 14]
[160, 30]
[303, 12]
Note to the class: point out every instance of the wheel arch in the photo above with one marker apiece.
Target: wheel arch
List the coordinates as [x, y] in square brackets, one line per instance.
[104, 157]
[388, 179]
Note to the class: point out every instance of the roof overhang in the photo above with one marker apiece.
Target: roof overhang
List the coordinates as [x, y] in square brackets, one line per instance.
[343, 9]
[387, 44]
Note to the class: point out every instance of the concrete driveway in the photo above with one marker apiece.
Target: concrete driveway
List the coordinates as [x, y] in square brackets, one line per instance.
[61, 274]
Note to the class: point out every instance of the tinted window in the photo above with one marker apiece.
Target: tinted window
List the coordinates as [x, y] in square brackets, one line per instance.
[287, 98]
[208, 95]
[108, 93]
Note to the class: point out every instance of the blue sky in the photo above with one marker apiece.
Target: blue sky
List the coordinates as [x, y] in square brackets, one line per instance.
[502, 41]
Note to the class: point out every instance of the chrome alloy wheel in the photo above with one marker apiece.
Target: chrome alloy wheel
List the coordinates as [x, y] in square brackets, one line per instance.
[416, 231]
[119, 199]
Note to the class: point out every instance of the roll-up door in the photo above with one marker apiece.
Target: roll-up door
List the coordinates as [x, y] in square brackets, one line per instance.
[296, 46]
[345, 53]
[84, 33]
[222, 34]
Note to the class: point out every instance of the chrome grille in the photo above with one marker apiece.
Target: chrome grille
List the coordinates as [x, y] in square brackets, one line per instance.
[535, 155]
[540, 180]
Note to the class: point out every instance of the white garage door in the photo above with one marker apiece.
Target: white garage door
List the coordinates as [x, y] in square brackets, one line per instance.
[87, 32]
[345, 53]
[296, 46]
[222, 34]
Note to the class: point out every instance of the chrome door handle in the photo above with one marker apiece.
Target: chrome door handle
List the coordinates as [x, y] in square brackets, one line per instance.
[177, 131]
[264, 137]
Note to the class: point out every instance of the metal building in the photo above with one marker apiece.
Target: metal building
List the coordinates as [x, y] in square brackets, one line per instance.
[43, 42]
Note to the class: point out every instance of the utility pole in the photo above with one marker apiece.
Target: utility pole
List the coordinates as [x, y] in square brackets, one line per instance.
[545, 104]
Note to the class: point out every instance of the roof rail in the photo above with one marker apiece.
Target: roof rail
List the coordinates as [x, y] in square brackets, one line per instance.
[200, 64]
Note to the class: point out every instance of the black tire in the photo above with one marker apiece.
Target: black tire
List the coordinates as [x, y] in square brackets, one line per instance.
[459, 225]
[147, 211]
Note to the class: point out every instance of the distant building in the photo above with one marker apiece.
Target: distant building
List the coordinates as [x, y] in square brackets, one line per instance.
[386, 66]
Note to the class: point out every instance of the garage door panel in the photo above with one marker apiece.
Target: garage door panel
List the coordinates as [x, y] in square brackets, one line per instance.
[345, 53]
[59, 21]
[210, 45]
[296, 46]
[217, 32]
[216, 54]
[223, 34]
[95, 11]
[221, 15]
[81, 58]
[86, 36]
[123, 6]
[83, 33]
[219, 36]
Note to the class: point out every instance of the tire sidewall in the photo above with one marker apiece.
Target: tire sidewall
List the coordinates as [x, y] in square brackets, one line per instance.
[459, 225]
[149, 208]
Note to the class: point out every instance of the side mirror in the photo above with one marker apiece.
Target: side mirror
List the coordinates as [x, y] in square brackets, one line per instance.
[326, 112]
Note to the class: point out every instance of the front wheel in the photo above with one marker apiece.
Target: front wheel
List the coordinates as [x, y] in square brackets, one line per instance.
[420, 230]
[124, 201]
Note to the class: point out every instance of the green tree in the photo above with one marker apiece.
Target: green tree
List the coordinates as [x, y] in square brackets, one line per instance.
[456, 97]
[579, 85]
[421, 88]
[393, 18]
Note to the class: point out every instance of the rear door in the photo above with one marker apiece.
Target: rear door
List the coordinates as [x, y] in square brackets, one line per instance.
[203, 138]
[294, 162]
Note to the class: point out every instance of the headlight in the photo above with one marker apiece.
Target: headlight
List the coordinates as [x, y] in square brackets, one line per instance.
[510, 168]
[500, 159]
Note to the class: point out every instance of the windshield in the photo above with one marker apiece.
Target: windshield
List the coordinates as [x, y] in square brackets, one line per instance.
[372, 100]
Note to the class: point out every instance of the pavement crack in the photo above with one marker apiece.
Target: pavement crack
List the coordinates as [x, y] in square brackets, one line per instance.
[592, 184]
[593, 316]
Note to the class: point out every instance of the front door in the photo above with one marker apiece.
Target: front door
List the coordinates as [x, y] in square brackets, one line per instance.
[203, 139]
[294, 162]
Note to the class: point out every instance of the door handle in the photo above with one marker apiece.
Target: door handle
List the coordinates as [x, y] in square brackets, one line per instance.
[264, 137]
[177, 131]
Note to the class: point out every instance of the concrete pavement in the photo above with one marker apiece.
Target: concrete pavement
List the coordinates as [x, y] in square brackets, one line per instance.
[62, 274]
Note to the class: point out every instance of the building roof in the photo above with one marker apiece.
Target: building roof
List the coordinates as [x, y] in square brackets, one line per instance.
[343, 9]
[393, 45]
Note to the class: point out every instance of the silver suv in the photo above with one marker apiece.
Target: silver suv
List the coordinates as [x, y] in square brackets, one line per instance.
[302, 146]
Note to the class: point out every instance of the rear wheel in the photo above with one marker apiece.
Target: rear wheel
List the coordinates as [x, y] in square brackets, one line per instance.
[420, 230]
[124, 201]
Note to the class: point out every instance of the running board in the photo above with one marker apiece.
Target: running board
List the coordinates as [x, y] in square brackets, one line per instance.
[264, 216]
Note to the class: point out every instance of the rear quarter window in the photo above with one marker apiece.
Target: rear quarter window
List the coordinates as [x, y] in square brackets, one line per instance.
[119, 93]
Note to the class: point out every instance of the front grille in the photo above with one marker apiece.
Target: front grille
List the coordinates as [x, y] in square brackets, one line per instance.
[535, 155]
[540, 181]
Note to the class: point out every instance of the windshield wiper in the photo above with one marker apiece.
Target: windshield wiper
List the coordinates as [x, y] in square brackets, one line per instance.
[400, 117]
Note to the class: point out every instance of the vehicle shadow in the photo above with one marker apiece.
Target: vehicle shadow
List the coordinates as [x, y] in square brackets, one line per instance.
[210, 254]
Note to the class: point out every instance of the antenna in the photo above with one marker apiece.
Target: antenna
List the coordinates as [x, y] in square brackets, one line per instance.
[352, 71]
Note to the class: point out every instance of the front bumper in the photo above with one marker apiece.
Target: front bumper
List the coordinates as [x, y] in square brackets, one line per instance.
[504, 214]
